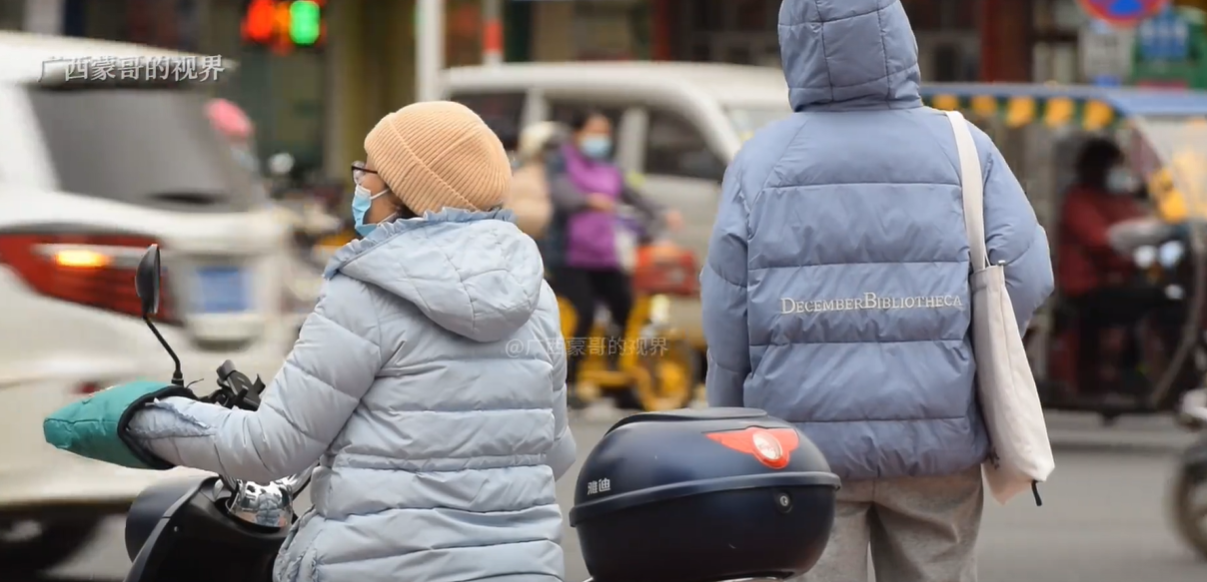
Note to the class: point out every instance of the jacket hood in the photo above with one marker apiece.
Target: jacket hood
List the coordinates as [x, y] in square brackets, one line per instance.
[472, 273]
[848, 54]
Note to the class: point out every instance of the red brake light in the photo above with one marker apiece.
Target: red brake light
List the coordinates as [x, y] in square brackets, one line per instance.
[772, 447]
[93, 270]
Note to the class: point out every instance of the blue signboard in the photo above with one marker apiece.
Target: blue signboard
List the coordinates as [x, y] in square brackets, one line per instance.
[1164, 37]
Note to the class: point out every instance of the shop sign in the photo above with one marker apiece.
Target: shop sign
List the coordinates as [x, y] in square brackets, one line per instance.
[1164, 37]
[1122, 13]
[1106, 53]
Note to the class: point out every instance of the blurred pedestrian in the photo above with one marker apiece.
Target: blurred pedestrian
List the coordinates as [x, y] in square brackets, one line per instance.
[429, 383]
[586, 189]
[529, 198]
[836, 290]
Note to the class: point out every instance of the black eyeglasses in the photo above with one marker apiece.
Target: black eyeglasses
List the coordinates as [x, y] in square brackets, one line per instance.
[359, 170]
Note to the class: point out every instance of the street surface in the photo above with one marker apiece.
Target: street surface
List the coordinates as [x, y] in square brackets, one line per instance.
[1104, 517]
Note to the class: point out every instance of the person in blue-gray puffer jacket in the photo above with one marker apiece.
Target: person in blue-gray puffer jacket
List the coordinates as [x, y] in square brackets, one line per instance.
[428, 384]
[836, 294]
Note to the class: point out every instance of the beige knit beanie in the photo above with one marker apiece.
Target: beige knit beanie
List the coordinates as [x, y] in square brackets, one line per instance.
[439, 154]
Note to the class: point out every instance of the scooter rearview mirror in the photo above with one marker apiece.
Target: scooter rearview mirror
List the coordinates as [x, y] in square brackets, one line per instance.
[146, 284]
[146, 281]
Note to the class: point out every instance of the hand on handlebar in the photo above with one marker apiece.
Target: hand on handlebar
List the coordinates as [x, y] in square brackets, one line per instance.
[235, 389]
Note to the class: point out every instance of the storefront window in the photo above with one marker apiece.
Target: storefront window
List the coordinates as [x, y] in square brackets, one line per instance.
[1068, 15]
[731, 31]
[463, 44]
[753, 15]
[612, 30]
[1056, 25]
[925, 15]
[705, 16]
[1056, 62]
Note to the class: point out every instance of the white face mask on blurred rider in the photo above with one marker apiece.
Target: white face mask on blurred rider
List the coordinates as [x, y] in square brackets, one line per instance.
[1121, 181]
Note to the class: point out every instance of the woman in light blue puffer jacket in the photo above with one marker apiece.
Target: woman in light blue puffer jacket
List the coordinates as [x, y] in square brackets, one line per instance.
[429, 383]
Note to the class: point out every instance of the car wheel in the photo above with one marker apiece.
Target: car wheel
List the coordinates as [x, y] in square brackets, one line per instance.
[33, 546]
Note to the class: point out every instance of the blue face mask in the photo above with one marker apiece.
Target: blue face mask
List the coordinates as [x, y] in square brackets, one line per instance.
[596, 147]
[362, 199]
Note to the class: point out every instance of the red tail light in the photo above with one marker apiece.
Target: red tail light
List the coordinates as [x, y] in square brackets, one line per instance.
[93, 270]
[772, 447]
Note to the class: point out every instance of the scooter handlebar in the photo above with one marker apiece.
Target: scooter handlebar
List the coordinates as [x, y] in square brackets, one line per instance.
[265, 505]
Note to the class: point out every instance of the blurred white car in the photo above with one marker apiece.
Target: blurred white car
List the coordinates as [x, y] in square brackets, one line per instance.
[90, 175]
[677, 125]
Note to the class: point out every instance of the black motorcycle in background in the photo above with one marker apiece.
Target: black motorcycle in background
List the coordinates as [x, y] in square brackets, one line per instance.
[1170, 336]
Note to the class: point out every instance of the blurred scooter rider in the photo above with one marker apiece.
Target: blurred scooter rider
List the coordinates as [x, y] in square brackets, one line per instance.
[1091, 275]
[529, 198]
[586, 188]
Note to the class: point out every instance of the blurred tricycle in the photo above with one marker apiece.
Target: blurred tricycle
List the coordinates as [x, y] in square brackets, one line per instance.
[651, 366]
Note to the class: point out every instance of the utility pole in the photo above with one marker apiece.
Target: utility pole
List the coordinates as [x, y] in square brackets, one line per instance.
[429, 49]
[492, 32]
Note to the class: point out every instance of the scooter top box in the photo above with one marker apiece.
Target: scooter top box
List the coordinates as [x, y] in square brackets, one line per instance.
[702, 496]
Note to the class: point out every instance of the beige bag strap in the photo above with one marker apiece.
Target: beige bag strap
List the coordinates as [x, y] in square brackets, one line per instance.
[973, 186]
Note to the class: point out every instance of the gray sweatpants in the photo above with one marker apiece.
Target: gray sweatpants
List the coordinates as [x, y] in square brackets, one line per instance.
[920, 529]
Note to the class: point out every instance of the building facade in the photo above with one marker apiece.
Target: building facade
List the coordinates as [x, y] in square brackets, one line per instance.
[731, 31]
[586, 29]
[744, 32]
[1044, 41]
[317, 102]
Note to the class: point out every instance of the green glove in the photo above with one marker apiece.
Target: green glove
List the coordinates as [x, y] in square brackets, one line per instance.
[95, 427]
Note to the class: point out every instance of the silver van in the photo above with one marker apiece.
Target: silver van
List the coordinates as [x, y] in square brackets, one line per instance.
[678, 125]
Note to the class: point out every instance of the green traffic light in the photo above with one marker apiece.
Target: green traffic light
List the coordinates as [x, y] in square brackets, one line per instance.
[305, 22]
